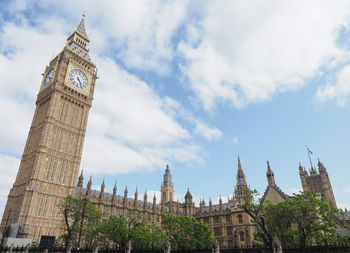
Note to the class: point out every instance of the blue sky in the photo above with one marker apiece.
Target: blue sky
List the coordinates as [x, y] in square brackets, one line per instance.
[193, 84]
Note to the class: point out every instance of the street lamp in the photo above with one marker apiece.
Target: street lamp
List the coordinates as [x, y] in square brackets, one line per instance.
[82, 220]
[3, 233]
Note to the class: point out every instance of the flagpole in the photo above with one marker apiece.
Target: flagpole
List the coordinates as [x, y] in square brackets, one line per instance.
[308, 153]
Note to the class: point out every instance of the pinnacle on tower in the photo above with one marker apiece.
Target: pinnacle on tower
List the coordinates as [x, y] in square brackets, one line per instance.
[321, 167]
[81, 27]
[241, 179]
[115, 188]
[126, 192]
[270, 175]
[89, 184]
[103, 185]
[81, 179]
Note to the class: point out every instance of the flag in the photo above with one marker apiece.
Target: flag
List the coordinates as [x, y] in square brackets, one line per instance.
[308, 150]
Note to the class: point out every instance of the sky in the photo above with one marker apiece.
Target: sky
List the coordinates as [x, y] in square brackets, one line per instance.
[193, 84]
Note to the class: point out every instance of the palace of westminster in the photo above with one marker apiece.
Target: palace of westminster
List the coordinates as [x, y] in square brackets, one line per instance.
[50, 163]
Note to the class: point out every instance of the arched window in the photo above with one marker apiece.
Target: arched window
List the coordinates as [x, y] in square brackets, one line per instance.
[240, 219]
[241, 236]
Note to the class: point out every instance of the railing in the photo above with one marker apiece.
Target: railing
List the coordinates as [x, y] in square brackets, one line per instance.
[315, 249]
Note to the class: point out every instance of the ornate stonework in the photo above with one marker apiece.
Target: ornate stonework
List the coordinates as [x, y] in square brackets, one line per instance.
[51, 159]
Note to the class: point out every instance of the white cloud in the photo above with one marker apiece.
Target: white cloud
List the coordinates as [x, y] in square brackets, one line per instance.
[235, 140]
[339, 91]
[8, 170]
[200, 128]
[133, 130]
[254, 50]
[293, 190]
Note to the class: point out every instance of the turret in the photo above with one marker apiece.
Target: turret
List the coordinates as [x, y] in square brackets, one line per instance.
[303, 174]
[81, 179]
[126, 193]
[88, 187]
[145, 200]
[321, 167]
[102, 192]
[270, 175]
[188, 197]
[210, 205]
[220, 204]
[167, 187]
[135, 197]
[154, 202]
[114, 197]
[241, 184]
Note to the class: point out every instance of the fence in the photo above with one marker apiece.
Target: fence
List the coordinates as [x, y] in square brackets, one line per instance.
[316, 249]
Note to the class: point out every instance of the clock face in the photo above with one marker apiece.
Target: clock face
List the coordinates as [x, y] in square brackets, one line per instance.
[48, 77]
[78, 79]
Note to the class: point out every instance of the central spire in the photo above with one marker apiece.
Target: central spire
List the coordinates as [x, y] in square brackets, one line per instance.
[81, 27]
[241, 180]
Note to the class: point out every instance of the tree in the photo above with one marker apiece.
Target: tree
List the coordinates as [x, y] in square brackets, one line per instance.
[141, 231]
[300, 221]
[186, 232]
[81, 218]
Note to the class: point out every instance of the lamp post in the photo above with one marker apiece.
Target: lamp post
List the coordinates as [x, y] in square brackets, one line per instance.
[3, 233]
[82, 220]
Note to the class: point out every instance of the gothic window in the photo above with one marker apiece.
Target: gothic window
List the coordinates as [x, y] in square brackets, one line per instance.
[54, 207]
[241, 236]
[217, 231]
[41, 205]
[228, 218]
[216, 219]
[206, 220]
[53, 170]
[240, 219]
[229, 231]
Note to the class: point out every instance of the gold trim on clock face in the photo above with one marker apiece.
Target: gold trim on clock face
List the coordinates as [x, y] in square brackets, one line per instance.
[78, 79]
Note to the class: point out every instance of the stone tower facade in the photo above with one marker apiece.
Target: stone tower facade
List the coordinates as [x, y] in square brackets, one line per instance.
[318, 182]
[167, 187]
[51, 159]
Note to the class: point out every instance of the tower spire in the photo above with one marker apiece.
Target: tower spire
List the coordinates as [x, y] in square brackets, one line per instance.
[81, 27]
[81, 179]
[270, 175]
[241, 179]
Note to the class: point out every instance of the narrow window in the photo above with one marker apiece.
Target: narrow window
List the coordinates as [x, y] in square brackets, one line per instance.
[48, 169]
[44, 213]
[53, 170]
[40, 206]
[240, 219]
[241, 236]
[63, 105]
[54, 208]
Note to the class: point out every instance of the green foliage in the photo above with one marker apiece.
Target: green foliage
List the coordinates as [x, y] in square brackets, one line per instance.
[186, 232]
[141, 232]
[80, 215]
[300, 221]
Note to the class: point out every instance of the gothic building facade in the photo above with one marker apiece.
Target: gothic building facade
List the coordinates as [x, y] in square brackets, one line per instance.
[318, 181]
[230, 224]
[50, 164]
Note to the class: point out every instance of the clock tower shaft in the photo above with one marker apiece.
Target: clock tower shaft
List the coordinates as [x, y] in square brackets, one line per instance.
[51, 159]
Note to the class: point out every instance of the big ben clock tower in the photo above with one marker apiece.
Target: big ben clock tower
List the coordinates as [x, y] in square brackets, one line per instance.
[51, 159]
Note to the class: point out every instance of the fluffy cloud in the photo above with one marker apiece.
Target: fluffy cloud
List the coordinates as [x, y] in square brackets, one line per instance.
[339, 91]
[254, 50]
[8, 169]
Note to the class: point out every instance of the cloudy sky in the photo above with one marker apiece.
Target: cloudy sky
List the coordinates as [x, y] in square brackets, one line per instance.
[192, 84]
